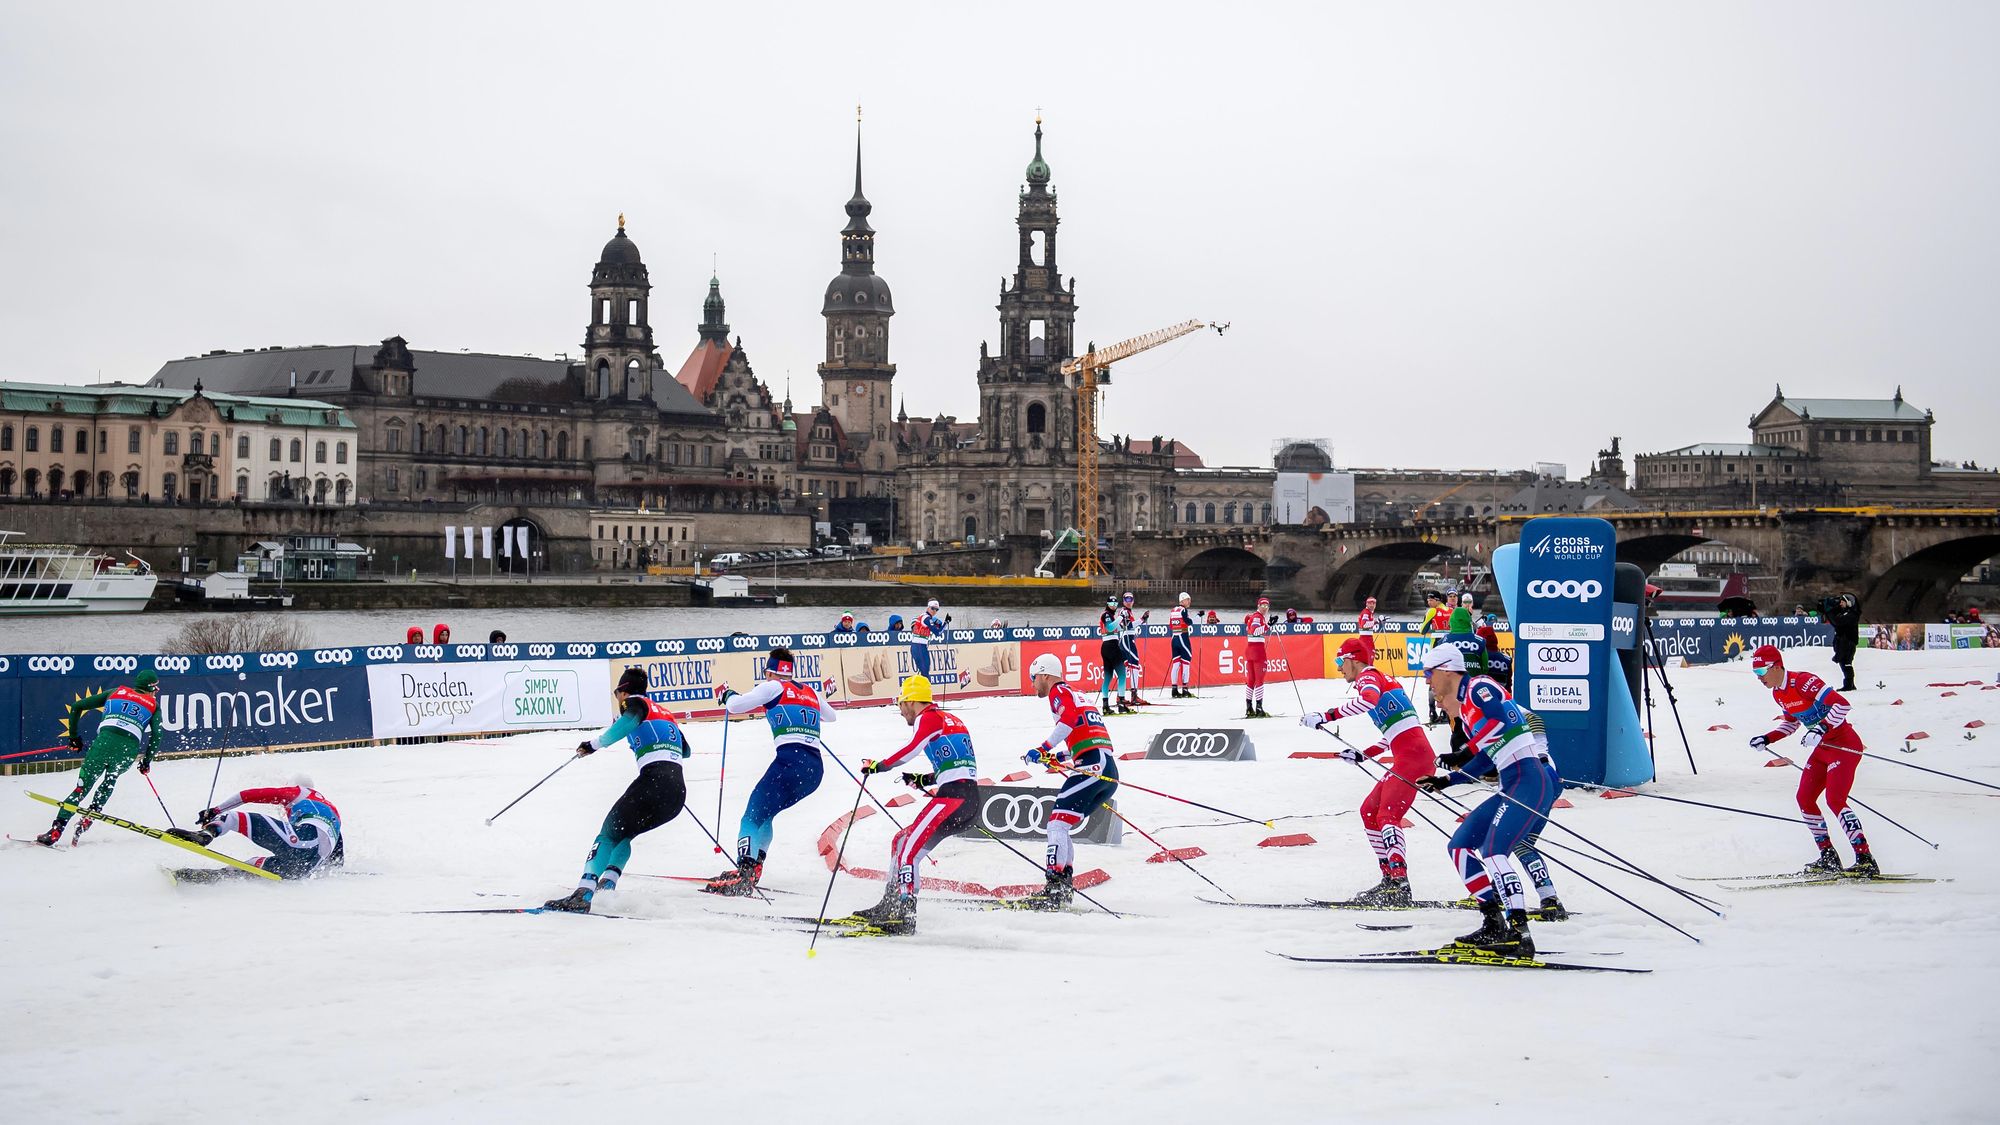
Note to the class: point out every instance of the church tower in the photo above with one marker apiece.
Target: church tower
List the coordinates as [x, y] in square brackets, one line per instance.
[618, 359]
[856, 375]
[1025, 403]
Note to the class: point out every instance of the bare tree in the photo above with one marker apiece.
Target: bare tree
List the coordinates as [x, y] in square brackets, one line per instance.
[236, 633]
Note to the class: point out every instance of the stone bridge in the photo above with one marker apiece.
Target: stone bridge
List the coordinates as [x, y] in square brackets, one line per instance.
[1901, 562]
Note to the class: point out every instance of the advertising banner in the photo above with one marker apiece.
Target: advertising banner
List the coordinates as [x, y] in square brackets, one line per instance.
[466, 698]
[234, 703]
[1709, 640]
[1019, 812]
[1567, 566]
[1180, 744]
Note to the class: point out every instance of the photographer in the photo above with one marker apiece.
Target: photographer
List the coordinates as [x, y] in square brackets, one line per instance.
[1843, 612]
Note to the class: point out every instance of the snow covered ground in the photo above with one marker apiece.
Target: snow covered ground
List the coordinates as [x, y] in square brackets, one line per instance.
[130, 1000]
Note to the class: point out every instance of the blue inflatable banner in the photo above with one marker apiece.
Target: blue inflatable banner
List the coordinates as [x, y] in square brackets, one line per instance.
[1563, 636]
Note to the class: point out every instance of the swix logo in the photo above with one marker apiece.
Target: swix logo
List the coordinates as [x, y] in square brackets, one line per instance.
[277, 659]
[115, 664]
[385, 652]
[1571, 589]
[229, 662]
[340, 656]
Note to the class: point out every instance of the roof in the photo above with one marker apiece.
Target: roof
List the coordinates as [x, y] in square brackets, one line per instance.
[330, 369]
[1850, 409]
[1549, 495]
[703, 367]
[1184, 458]
[136, 401]
[1729, 449]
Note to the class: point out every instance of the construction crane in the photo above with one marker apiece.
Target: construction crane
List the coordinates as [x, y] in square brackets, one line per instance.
[1092, 366]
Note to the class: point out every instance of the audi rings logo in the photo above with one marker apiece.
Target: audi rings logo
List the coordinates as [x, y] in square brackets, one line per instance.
[385, 652]
[61, 664]
[1559, 654]
[230, 662]
[342, 656]
[1195, 744]
[1016, 813]
[622, 648]
[172, 663]
[1570, 589]
[115, 664]
[277, 659]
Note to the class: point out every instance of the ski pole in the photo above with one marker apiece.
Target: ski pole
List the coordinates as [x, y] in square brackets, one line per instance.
[1435, 799]
[1682, 801]
[1166, 850]
[718, 845]
[1633, 867]
[162, 800]
[1035, 863]
[1912, 765]
[884, 809]
[537, 785]
[217, 776]
[721, 780]
[1066, 770]
[1292, 673]
[32, 753]
[1855, 800]
[812, 946]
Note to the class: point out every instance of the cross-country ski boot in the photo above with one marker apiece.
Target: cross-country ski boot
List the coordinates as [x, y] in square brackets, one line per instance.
[1056, 890]
[1391, 891]
[895, 914]
[1551, 910]
[51, 838]
[192, 835]
[1261, 713]
[737, 883]
[1865, 866]
[1249, 710]
[1492, 929]
[82, 826]
[1828, 862]
[575, 902]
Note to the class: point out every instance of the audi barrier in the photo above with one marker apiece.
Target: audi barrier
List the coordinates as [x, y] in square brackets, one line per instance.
[1022, 813]
[1201, 745]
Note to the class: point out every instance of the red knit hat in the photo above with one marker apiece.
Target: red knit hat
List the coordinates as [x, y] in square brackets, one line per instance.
[1766, 656]
[1358, 648]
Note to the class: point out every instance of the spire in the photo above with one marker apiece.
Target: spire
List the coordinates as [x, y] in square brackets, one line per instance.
[788, 390]
[713, 327]
[858, 207]
[1038, 169]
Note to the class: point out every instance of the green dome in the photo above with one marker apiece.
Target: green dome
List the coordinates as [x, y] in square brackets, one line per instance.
[1038, 169]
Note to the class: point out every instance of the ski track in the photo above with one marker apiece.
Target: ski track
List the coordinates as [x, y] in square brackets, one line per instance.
[131, 1000]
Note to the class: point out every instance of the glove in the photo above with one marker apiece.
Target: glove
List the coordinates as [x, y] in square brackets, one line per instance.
[722, 693]
[585, 749]
[1433, 783]
[920, 780]
[207, 816]
[947, 618]
[1808, 740]
[868, 767]
[1147, 615]
[1350, 754]
[1045, 755]
[1759, 741]
[1313, 720]
[1456, 759]
[146, 766]
[76, 743]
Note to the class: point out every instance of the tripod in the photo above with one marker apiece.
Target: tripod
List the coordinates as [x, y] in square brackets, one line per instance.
[1648, 663]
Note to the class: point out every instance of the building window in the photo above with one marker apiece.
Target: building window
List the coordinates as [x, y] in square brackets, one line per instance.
[464, 440]
[1267, 512]
[319, 453]
[340, 453]
[340, 491]
[393, 438]
[839, 352]
[562, 446]
[215, 445]
[169, 486]
[56, 440]
[298, 451]
[506, 440]
[6, 439]
[485, 437]
[82, 441]
[1208, 513]
[1229, 513]
[393, 480]
[242, 448]
[422, 482]
[242, 486]
[172, 443]
[131, 482]
[1038, 418]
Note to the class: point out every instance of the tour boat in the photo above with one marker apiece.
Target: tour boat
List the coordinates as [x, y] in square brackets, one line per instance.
[57, 578]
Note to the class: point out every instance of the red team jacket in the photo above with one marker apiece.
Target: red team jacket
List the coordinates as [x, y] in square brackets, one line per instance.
[1806, 701]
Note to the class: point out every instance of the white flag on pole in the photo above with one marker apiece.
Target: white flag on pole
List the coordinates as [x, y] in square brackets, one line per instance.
[506, 542]
[468, 544]
[523, 529]
[451, 542]
[486, 542]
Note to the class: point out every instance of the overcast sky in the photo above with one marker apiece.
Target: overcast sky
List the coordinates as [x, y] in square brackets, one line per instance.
[1476, 235]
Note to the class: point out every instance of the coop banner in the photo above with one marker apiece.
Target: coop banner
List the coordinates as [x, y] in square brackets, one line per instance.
[229, 701]
[499, 695]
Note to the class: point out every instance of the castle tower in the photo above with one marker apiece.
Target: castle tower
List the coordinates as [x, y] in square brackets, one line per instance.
[618, 346]
[1025, 404]
[856, 375]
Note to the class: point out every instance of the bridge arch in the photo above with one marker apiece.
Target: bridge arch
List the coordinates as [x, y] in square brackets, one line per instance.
[1918, 586]
[1223, 564]
[1382, 572]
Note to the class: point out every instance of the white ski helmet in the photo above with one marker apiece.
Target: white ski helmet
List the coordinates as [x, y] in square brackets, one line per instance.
[1046, 664]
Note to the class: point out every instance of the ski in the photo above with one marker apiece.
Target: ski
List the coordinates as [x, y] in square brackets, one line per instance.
[31, 842]
[1421, 904]
[1366, 926]
[1459, 957]
[1835, 880]
[704, 879]
[1777, 875]
[158, 834]
[1264, 905]
[532, 910]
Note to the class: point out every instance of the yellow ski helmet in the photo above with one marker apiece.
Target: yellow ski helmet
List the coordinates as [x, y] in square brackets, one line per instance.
[916, 689]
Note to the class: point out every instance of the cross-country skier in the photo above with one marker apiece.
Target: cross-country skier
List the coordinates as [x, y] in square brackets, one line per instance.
[1256, 627]
[1079, 748]
[1180, 636]
[655, 797]
[1806, 701]
[127, 732]
[927, 625]
[1129, 624]
[1411, 757]
[1368, 619]
[1111, 655]
[1503, 742]
[952, 781]
[302, 842]
[1436, 614]
[795, 712]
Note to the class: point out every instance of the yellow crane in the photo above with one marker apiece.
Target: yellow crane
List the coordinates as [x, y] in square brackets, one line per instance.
[1091, 366]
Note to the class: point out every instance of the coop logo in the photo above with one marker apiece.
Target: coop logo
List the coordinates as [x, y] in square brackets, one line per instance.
[6, 665]
[622, 648]
[115, 664]
[341, 656]
[469, 652]
[585, 649]
[846, 639]
[502, 652]
[744, 642]
[62, 664]
[277, 660]
[541, 651]
[1567, 548]
[427, 652]
[669, 648]
[708, 644]
[1570, 590]
[385, 652]
[813, 640]
[227, 663]
[172, 663]
[1018, 814]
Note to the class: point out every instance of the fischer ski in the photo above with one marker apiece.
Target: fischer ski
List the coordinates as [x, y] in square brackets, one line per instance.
[1430, 904]
[704, 879]
[532, 910]
[1830, 880]
[160, 835]
[1448, 956]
